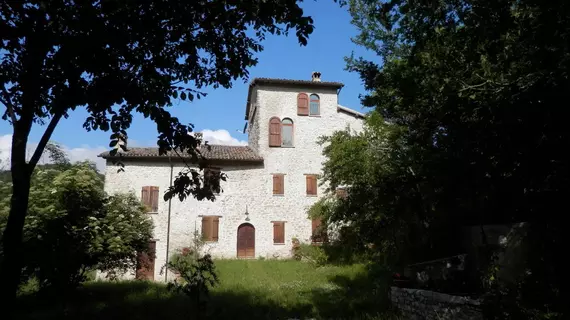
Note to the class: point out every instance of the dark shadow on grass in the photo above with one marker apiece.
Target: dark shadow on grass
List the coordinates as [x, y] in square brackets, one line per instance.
[363, 297]
[143, 300]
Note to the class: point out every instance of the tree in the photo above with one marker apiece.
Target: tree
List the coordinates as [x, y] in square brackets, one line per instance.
[476, 87]
[116, 58]
[73, 227]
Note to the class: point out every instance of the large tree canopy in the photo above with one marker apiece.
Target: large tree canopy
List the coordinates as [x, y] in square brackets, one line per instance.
[116, 58]
[473, 130]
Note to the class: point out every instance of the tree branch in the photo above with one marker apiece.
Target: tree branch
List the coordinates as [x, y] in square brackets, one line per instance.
[45, 138]
[9, 105]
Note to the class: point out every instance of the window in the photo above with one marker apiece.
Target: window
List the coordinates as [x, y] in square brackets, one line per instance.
[278, 232]
[278, 184]
[287, 132]
[210, 225]
[280, 132]
[302, 104]
[341, 192]
[311, 184]
[314, 107]
[319, 232]
[149, 198]
[212, 180]
[274, 132]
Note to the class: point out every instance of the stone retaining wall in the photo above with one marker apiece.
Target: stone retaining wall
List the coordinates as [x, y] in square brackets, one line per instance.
[416, 304]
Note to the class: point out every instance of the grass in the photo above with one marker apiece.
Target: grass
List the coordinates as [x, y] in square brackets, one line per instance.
[248, 289]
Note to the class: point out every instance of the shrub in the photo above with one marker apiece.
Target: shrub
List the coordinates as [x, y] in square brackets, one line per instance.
[312, 253]
[196, 273]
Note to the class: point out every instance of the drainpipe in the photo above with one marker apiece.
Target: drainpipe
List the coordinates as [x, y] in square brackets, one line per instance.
[168, 222]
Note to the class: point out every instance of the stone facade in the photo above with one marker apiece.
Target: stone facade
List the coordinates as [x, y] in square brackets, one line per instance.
[249, 185]
[415, 304]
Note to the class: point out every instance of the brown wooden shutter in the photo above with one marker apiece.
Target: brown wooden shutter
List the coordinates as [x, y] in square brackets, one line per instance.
[278, 232]
[145, 198]
[154, 198]
[207, 228]
[311, 184]
[274, 132]
[316, 232]
[302, 104]
[215, 227]
[278, 184]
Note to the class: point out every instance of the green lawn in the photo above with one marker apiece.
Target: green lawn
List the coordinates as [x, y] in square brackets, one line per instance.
[248, 289]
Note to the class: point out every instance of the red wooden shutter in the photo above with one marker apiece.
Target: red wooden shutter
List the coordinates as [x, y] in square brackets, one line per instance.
[207, 228]
[302, 104]
[278, 184]
[278, 232]
[316, 232]
[215, 227]
[311, 185]
[145, 198]
[274, 132]
[154, 198]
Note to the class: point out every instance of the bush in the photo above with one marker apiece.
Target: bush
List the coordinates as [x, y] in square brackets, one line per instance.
[196, 273]
[73, 227]
[312, 253]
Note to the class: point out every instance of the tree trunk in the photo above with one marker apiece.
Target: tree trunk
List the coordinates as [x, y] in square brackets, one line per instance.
[11, 267]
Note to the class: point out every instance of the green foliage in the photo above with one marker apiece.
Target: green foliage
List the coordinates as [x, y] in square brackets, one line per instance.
[470, 93]
[73, 227]
[311, 253]
[195, 272]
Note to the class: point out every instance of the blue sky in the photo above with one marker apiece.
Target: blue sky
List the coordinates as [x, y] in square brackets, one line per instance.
[223, 109]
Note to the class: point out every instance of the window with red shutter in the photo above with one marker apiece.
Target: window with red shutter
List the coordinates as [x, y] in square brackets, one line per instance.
[210, 228]
[319, 233]
[278, 184]
[278, 232]
[154, 196]
[274, 132]
[302, 104]
[311, 184]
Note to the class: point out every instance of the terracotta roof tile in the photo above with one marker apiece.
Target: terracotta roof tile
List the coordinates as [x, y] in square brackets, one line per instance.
[215, 152]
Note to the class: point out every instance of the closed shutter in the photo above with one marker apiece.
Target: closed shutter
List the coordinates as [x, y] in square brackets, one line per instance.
[275, 132]
[215, 227]
[278, 184]
[302, 104]
[154, 199]
[341, 193]
[317, 233]
[145, 198]
[207, 228]
[278, 232]
[311, 184]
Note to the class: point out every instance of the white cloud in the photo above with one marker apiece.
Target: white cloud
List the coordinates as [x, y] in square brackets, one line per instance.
[221, 137]
[82, 153]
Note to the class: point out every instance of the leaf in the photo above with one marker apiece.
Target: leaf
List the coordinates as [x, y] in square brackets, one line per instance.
[183, 95]
[175, 94]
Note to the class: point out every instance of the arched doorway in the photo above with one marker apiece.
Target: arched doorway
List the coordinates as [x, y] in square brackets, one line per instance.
[246, 241]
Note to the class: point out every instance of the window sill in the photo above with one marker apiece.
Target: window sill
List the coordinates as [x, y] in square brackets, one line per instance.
[312, 195]
[287, 147]
[152, 212]
[278, 195]
[315, 116]
[279, 244]
[209, 242]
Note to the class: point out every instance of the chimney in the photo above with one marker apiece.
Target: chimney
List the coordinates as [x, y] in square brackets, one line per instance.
[316, 76]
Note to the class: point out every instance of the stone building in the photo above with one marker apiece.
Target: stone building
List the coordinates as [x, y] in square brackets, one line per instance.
[271, 182]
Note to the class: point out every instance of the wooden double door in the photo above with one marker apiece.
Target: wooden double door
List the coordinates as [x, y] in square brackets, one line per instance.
[246, 241]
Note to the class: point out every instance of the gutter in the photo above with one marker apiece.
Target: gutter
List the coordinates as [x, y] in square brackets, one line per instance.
[168, 222]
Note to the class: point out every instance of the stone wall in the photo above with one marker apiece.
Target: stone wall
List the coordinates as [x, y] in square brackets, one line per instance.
[416, 304]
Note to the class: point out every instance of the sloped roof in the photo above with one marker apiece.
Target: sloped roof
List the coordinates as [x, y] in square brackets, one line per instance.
[290, 83]
[214, 152]
[355, 113]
